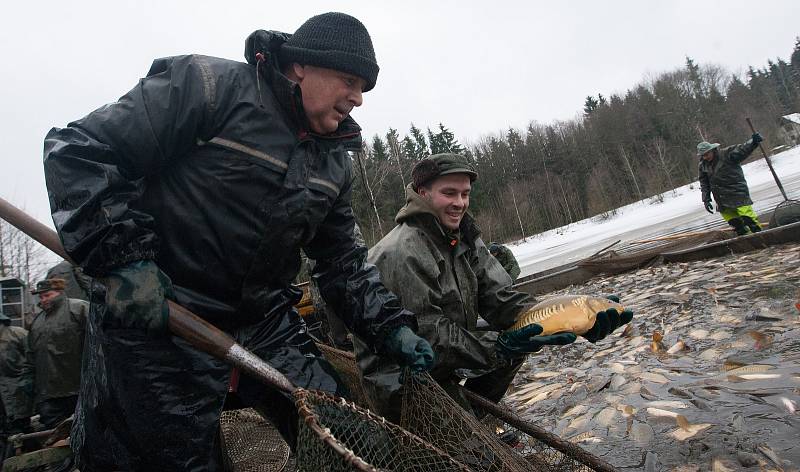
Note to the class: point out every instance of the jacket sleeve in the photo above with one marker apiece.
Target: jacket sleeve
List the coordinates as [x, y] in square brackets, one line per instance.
[740, 152]
[351, 285]
[705, 184]
[498, 303]
[98, 166]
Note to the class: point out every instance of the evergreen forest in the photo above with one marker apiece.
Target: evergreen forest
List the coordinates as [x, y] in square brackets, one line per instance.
[621, 149]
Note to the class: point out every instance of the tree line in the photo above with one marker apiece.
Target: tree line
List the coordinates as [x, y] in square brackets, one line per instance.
[623, 148]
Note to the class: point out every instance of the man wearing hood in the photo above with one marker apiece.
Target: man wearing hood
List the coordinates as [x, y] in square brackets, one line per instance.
[54, 352]
[437, 263]
[202, 185]
[721, 175]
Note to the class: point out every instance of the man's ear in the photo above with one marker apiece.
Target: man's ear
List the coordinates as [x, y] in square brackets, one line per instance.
[295, 72]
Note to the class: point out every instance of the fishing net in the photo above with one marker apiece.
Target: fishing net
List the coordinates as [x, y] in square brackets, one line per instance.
[345, 365]
[500, 440]
[250, 443]
[432, 414]
[336, 435]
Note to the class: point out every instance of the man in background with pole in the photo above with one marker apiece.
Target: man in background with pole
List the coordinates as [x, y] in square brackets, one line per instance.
[721, 175]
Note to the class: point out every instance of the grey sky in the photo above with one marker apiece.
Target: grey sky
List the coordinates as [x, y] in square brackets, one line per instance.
[477, 66]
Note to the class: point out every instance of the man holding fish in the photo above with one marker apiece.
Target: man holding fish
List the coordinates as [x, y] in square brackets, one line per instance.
[438, 265]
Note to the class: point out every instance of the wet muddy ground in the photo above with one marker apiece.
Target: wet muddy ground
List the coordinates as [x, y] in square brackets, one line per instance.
[706, 378]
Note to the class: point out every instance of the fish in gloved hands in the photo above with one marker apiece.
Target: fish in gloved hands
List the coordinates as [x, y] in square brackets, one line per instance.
[592, 317]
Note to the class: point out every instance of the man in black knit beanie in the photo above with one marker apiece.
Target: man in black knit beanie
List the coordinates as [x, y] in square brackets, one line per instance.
[201, 186]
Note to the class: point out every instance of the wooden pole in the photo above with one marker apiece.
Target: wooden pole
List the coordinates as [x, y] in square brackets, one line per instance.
[198, 332]
[769, 162]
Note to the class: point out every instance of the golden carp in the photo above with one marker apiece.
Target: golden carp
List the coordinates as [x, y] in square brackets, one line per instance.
[568, 313]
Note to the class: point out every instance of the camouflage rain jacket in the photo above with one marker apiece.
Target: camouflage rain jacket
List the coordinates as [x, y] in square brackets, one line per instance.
[449, 280]
[13, 396]
[55, 347]
[723, 177]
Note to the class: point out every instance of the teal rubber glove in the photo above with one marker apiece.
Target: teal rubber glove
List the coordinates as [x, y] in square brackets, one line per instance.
[408, 349]
[757, 138]
[521, 342]
[136, 298]
[607, 321]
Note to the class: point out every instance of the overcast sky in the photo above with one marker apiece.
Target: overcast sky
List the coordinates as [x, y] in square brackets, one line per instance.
[477, 66]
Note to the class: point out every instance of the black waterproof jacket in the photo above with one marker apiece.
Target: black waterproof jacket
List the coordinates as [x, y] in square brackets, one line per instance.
[723, 176]
[208, 168]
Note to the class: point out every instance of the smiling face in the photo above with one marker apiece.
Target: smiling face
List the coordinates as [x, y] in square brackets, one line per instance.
[448, 195]
[328, 95]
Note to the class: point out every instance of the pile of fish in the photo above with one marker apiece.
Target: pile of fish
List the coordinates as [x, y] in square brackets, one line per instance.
[706, 377]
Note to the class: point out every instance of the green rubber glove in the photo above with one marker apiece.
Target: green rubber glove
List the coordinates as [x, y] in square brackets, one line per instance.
[607, 321]
[408, 349]
[136, 298]
[521, 342]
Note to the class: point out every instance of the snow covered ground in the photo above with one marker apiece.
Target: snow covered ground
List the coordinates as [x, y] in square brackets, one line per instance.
[643, 219]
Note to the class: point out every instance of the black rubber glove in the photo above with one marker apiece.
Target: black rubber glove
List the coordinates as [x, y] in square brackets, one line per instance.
[607, 321]
[757, 138]
[136, 298]
[709, 206]
[521, 342]
[408, 349]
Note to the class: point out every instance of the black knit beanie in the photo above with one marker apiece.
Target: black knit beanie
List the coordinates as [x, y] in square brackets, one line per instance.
[334, 41]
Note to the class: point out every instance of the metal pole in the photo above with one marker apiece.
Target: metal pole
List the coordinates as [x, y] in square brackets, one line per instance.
[769, 163]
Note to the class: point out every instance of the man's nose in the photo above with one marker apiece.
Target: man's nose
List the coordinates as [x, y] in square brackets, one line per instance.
[356, 97]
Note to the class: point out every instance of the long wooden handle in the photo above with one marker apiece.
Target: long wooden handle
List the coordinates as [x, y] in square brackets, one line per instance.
[198, 332]
[769, 162]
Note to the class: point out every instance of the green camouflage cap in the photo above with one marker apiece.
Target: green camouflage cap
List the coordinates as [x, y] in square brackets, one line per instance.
[437, 165]
[704, 146]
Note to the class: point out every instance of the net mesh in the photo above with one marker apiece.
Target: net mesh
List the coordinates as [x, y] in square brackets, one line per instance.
[432, 414]
[499, 441]
[337, 436]
[250, 443]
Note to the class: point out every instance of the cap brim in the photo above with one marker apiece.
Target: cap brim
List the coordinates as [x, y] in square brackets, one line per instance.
[471, 173]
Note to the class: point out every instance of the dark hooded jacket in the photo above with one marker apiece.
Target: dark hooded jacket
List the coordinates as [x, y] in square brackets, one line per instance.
[448, 279]
[208, 167]
[723, 176]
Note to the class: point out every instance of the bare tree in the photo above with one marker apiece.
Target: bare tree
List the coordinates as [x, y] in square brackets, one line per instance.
[21, 256]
